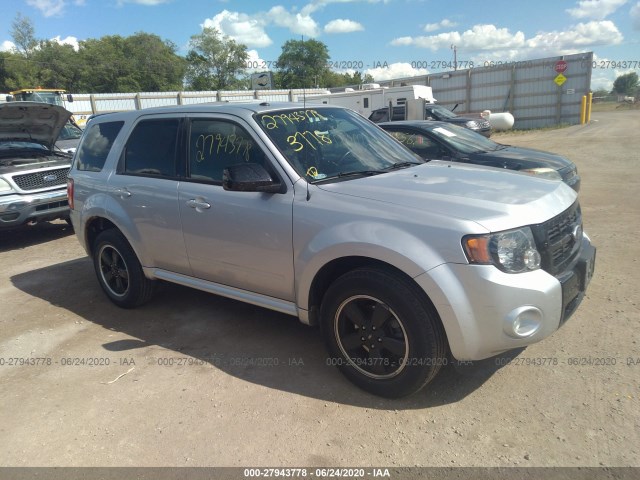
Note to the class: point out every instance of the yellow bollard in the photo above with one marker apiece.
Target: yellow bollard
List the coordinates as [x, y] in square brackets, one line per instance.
[589, 101]
[583, 109]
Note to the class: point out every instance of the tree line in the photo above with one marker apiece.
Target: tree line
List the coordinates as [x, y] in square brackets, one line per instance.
[144, 62]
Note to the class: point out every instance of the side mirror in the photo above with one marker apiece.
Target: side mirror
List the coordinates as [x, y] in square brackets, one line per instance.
[249, 177]
[69, 98]
[9, 98]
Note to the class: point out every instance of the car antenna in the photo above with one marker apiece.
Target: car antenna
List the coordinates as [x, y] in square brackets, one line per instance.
[304, 107]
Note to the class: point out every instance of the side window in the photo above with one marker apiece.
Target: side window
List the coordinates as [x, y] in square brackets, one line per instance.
[420, 144]
[217, 144]
[95, 146]
[151, 148]
[379, 116]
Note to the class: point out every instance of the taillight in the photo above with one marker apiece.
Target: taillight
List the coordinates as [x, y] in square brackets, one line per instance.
[70, 192]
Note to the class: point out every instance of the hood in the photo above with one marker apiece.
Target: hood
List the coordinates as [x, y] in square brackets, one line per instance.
[32, 121]
[496, 199]
[529, 158]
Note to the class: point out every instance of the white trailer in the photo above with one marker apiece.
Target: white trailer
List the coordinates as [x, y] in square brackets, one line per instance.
[374, 97]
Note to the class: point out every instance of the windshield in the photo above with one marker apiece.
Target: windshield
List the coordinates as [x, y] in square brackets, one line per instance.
[440, 112]
[70, 132]
[464, 140]
[327, 143]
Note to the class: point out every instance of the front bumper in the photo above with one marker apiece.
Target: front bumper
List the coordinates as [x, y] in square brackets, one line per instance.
[16, 210]
[486, 312]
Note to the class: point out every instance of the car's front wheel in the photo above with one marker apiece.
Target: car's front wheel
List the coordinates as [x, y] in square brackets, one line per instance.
[382, 333]
[119, 272]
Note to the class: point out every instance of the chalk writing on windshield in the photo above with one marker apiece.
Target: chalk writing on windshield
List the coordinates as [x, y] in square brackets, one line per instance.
[311, 139]
[290, 118]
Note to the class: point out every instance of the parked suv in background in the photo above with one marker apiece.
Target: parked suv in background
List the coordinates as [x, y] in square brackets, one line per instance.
[435, 112]
[33, 173]
[317, 213]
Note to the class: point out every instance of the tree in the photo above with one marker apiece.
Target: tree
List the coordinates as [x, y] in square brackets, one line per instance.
[23, 34]
[626, 84]
[140, 63]
[215, 61]
[302, 63]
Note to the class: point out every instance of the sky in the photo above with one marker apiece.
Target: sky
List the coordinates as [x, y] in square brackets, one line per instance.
[385, 38]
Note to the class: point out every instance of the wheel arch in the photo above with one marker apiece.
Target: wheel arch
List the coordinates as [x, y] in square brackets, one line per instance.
[338, 267]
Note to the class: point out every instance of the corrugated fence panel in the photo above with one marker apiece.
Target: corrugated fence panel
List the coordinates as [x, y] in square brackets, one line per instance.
[527, 89]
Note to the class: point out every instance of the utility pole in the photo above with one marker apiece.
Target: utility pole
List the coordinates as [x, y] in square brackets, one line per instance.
[455, 57]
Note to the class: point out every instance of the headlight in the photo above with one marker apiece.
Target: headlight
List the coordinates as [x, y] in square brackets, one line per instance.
[512, 251]
[473, 125]
[4, 186]
[548, 173]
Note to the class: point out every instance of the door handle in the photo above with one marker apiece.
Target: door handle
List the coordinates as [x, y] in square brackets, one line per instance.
[198, 204]
[122, 192]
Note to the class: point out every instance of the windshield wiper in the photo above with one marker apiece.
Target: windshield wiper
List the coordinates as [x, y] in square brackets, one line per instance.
[397, 165]
[363, 173]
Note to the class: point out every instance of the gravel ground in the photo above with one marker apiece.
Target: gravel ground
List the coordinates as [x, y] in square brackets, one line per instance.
[169, 384]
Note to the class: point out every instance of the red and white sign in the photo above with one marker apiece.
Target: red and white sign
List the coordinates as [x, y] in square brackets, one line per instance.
[561, 66]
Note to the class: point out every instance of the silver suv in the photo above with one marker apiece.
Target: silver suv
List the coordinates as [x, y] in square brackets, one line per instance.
[318, 213]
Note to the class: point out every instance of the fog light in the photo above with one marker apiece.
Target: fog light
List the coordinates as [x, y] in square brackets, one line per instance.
[523, 322]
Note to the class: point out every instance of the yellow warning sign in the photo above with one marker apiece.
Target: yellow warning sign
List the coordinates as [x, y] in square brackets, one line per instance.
[560, 79]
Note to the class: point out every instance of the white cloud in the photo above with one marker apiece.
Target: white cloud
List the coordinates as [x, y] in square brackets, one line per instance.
[298, 23]
[395, 70]
[446, 23]
[7, 46]
[250, 29]
[634, 14]
[595, 9]
[73, 41]
[241, 27]
[500, 44]
[256, 63]
[480, 37]
[578, 36]
[48, 8]
[343, 26]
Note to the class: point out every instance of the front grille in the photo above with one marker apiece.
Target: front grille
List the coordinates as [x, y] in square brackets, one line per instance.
[484, 124]
[559, 239]
[44, 179]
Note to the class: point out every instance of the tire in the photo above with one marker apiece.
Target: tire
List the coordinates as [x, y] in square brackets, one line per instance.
[382, 333]
[119, 272]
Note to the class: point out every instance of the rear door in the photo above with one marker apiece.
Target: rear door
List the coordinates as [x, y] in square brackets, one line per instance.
[238, 239]
[145, 187]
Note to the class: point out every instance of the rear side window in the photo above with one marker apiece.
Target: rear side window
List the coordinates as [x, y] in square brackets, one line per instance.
[96, 145]
[379, 116]
[151, 148]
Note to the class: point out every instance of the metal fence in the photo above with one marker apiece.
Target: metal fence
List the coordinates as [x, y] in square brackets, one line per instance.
[534, 91]
[88, 104]
[539, 93]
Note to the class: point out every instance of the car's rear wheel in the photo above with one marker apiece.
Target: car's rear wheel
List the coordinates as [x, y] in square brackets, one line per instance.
[119, 272]
[382, 333]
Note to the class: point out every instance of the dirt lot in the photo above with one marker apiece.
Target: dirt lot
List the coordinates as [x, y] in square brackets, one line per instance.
[169, 384]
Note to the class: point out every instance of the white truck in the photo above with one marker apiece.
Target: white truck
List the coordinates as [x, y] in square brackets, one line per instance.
[412, 102]
[373, 97]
